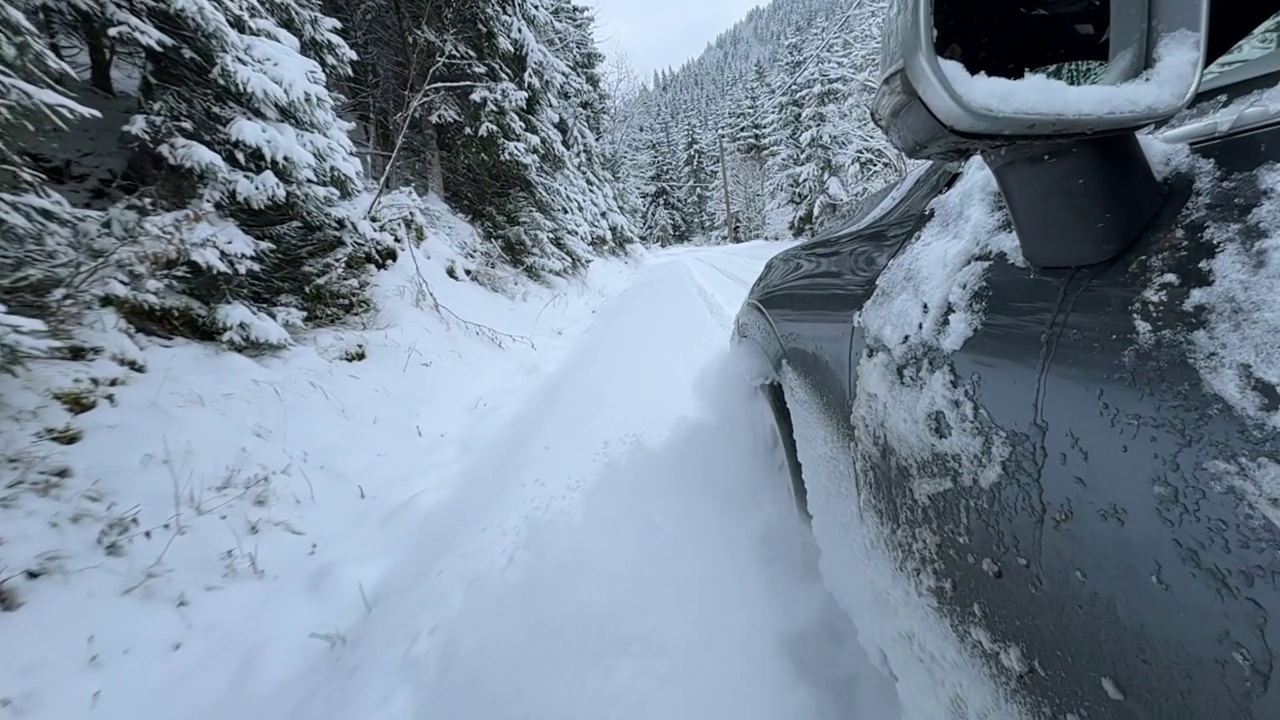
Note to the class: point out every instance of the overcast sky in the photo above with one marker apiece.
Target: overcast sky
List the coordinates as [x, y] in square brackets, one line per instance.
[658, 33]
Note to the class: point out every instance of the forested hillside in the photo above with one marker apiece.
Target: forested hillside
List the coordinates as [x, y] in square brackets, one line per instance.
[786, 92]
[234, 170]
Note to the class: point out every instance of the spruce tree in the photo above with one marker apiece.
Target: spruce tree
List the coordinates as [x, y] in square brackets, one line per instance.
[40, 237]
[696, 181]
[817, 176]
[664, 220]
[244, 138]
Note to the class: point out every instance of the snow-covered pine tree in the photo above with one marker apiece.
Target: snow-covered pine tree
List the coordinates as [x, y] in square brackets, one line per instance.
[516, 115]
[664, 218]
[573, 120]
[696, 183]
[40, 249]
[244, 144]
[753, 71]
[498, 135]
[785, 124]
[815, 175]
[748, 130]
[749, 149]
[103, 29]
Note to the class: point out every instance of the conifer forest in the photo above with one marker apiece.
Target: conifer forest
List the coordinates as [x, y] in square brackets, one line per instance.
[237, 170]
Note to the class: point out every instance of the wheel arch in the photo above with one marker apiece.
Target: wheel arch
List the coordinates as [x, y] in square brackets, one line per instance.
[755, 330]
[785, 427]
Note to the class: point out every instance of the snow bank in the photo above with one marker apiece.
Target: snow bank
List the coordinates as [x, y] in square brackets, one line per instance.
[1163, 86]
[179, 523]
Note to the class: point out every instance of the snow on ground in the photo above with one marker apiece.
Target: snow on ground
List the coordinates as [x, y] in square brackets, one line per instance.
[623, 548]
[408, 521]
[219, 516]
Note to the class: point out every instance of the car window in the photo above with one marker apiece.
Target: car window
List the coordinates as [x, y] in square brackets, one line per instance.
[1252, 56]
[1238, 93]
[880, 202]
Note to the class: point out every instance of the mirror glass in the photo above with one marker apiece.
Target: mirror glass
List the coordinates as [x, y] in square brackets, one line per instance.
[1067, 40]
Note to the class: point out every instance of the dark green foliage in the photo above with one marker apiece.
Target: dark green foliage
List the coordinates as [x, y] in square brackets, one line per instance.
[41, 235]
[258, 131]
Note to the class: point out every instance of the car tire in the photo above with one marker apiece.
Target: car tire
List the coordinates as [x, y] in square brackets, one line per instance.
[785, 430]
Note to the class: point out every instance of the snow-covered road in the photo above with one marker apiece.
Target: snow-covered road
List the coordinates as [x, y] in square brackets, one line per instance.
[622, 547]
[587, 518]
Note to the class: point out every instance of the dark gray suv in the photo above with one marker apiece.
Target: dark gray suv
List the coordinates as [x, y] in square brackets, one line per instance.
[1055, 371]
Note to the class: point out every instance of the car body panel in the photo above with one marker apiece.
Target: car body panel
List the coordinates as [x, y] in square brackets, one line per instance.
[810, 292]
[1134, 582]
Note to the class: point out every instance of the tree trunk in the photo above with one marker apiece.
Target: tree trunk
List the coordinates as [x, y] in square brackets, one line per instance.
[435, 172]
[95, 37]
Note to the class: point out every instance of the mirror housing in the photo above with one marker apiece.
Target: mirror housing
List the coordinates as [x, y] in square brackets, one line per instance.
[932, 107]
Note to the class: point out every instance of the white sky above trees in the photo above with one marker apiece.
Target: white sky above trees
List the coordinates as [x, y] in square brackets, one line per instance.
[653, 34]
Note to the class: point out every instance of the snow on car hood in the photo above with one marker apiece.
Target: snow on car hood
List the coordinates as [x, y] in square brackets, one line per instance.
[1237, 303]
[1218, 116]
[1235, 351]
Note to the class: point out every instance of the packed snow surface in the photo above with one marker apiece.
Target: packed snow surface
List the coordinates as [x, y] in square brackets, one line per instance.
[409, 521]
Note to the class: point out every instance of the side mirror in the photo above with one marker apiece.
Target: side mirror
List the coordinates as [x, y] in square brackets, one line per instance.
[963, 76]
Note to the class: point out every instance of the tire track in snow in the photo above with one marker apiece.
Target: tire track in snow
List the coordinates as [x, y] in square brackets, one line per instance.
[686, 591]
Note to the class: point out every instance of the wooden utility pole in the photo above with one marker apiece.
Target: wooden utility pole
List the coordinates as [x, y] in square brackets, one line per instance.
[729, 224]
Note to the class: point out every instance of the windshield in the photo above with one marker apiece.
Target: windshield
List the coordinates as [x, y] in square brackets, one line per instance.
[1253, 56]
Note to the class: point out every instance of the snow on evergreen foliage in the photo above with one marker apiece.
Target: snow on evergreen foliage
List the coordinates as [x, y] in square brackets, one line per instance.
[267, 133]
[545, 109]
[787, 90]
[243, 128]
[236, 172]
[505, 115]
[39, 231]
[264, 140]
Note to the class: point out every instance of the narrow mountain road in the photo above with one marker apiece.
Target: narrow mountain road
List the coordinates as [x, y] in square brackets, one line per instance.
[623, 548]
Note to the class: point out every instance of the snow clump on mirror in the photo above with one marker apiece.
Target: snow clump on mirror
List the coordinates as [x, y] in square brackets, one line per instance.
[1164, 85]
[927, 303]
